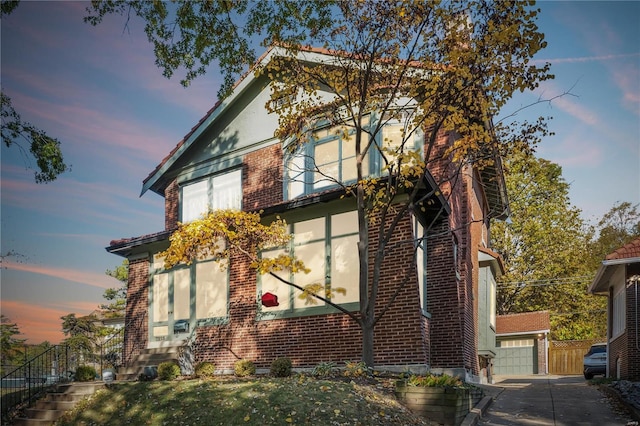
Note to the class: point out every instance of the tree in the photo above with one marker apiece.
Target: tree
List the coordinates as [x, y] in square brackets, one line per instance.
[545, 248]
[80, 331]
[619, 226]
[117, 296]
[436, 68]
[11, 347]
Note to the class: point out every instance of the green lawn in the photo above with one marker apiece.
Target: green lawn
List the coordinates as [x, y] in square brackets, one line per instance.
[296, 400]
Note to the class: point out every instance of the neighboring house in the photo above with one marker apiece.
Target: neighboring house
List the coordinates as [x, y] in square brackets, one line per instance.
[522, 343]
[101, 318]
[618, 279]
[230, 159]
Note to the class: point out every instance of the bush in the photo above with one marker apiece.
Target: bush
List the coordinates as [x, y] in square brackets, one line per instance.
[356, 369]
[85, 373]
[324, 369]
[434, 381]
[168, 370]
[244, 367]
[281, 367]
[205, 369]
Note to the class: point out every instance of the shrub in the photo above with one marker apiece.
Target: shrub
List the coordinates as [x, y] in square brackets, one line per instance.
[144, 377]
[85, 373]
[168, 370]
[244, 367]
[434, 381]
[324, 369]
[205, 369]
[356, 369]
[281, 367]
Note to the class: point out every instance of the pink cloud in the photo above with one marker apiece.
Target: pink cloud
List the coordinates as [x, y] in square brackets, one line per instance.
[42, 322]
[92, 279]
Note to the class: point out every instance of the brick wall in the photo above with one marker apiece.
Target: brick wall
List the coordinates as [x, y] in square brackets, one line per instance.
[171, 206]
[313, 339]
[136, 317]
[632, 332]
[262, 178]
[445, 340]
[542, 355]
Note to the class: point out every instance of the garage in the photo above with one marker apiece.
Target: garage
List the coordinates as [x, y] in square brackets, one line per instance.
[515, 357]
[521, 344]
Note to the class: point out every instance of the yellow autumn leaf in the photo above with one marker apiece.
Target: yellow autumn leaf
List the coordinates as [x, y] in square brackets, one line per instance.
[289, 420]
[247, 418]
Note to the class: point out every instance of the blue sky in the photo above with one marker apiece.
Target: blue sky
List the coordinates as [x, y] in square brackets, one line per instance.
[98, 90]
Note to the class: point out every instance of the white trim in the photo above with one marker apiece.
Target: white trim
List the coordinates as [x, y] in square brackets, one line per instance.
[522, 333]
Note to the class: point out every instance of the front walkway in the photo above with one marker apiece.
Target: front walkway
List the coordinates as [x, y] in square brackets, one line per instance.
[551, 400]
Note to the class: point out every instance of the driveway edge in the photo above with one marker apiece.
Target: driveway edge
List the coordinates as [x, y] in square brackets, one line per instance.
[473, 417]
[608, 390]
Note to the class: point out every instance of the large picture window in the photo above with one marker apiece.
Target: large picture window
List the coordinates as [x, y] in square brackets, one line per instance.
[221, 191]
[185, 296]
[328, 247]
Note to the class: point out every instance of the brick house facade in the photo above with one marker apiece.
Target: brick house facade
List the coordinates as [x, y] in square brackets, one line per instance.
[618, 279]
[441, 336]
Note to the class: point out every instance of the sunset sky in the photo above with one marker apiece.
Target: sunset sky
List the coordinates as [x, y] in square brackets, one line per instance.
[98, 91]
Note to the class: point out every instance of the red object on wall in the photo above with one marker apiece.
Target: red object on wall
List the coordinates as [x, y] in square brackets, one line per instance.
[269, 300]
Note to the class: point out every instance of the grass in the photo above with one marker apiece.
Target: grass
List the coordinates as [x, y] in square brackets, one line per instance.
[297, 400]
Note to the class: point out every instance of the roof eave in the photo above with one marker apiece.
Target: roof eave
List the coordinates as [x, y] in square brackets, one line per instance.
[600, 284]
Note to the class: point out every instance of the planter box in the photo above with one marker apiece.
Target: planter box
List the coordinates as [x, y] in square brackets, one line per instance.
[445, 406]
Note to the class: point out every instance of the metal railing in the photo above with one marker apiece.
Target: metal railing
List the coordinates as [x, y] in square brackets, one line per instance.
[23, 385]
[26, 383]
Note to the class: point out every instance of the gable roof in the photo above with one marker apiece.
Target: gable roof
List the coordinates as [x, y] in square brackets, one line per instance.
[154, 180]
[524, 323]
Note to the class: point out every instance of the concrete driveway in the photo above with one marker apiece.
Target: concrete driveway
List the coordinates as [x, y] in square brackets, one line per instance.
[551, 400]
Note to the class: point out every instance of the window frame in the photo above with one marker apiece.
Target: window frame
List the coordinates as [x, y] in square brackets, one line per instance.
[373, 163]
[193, 319]
[210, 197]
[420, 244]
[618, 313]
[322, 308]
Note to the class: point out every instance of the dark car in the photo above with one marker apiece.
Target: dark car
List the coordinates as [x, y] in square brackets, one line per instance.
[595, 361]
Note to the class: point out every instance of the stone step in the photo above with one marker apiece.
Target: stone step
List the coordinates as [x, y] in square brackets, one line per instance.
[55, 405]
[51, 415]
[23, 421]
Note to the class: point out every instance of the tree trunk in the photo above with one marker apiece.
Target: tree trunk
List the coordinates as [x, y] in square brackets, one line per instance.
[367, 344]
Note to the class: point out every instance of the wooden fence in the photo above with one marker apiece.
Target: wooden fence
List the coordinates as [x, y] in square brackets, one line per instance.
[565, 357]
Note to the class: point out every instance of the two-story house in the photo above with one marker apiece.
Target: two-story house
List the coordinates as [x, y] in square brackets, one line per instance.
[231, 159]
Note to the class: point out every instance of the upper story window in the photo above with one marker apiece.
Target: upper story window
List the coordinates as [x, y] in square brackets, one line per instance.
[221, 191]
[329, 157]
